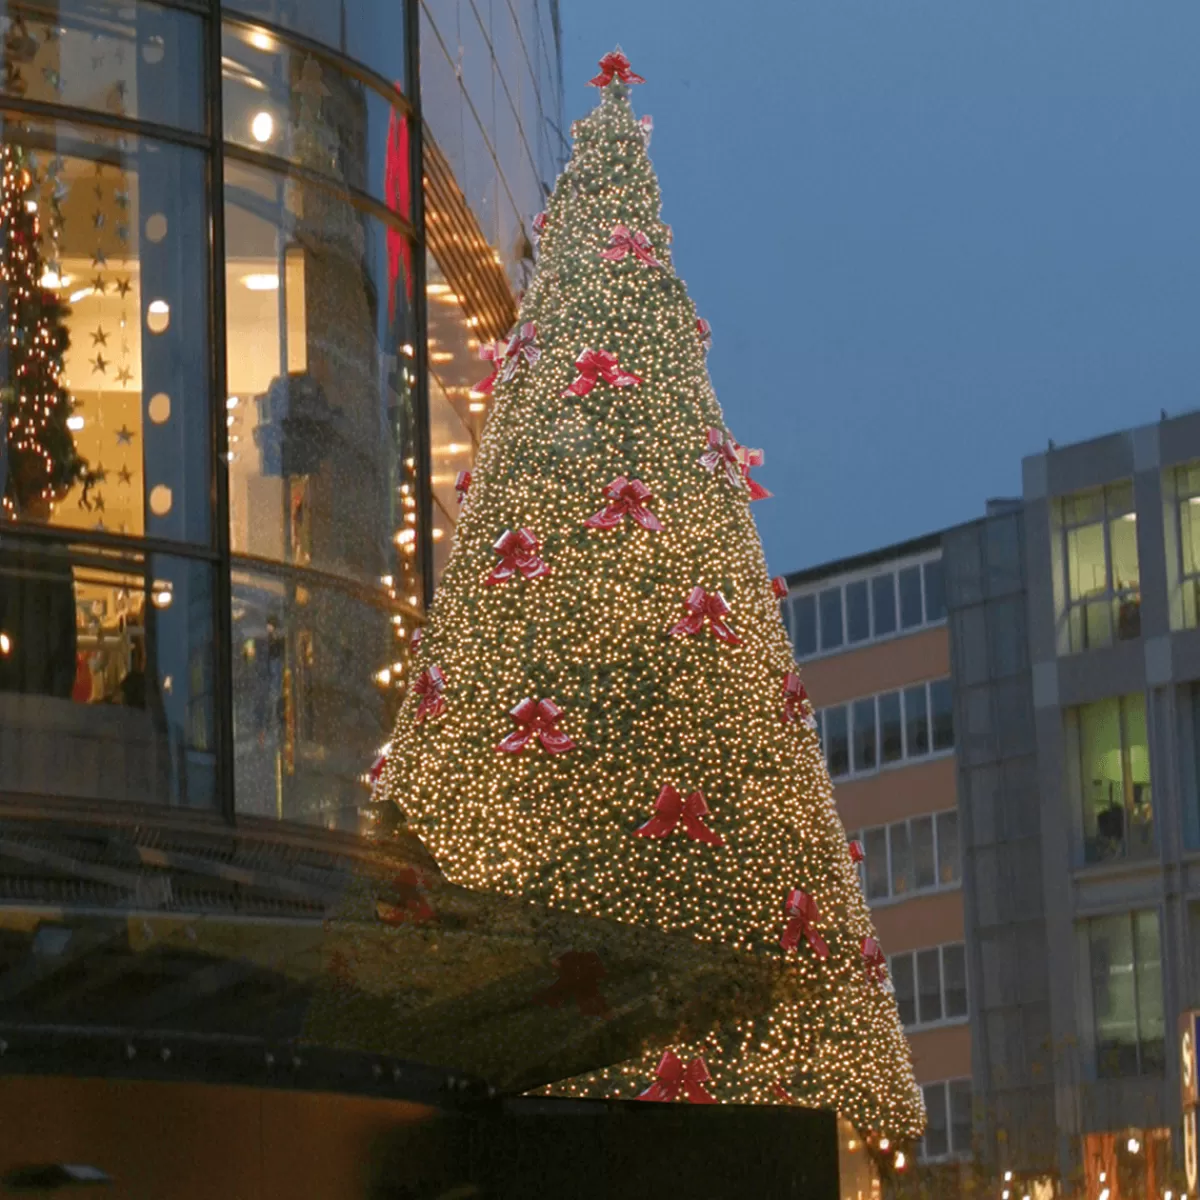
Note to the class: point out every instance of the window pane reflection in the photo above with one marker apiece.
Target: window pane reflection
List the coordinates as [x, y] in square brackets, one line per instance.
[323, 467]
[106, 675]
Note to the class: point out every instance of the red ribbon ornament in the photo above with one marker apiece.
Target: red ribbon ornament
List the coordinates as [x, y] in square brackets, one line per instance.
[802, 917]
[713, 605]
[594, 365]
[615, 64]
[462, 484]
[522, 344]
[492, 352]
[536, 719]
[704, 330]
[748, 459]
[413, 907]
[579, 975]
[539, 224]
[518, 550]
[626, 497]
[794, 695]
[376, 771]
[779, 586]
[429, 686]
[873, 960]
[670, 809]
[624, 241]
[722, 451]
[414, 642]
[674, 1077]
[857, 853]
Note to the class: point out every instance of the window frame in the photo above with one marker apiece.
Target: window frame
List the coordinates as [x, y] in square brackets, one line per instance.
[1187, 498]
[943, 1021]
[953, 1151]
[892, 896]
[1130, 917]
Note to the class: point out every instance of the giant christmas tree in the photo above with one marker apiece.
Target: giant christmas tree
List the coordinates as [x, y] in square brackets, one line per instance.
[605, 716]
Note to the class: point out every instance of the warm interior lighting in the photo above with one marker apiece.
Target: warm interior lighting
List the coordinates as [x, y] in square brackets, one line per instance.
[261, 40]
[159, 307]
[162, 595]
[75, 423]
[902, 1162]
[437, 289]
[477, 406]
[52, 280]
[232, 402]
[1133, 1145]
[5, 643]
[884, 1145]
[261, 282]
[262, 127]
[384, 676]
[1008, 1177]
[81, 294]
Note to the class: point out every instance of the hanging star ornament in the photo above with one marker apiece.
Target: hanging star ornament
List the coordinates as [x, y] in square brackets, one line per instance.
[99, 258]
[97, 220]
[124, 475]
[123, 286]
[100, 338]
[124, 436]
[124, 375]
[99, 365]
[99, 286]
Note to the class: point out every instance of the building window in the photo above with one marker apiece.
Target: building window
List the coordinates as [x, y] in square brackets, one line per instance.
[948, 1108]
[879, 606]
[888, 728]
[1114, 778]
[1187, 488]
[1103, 591]
[906, 857]
[931, 985]
[1127, 994]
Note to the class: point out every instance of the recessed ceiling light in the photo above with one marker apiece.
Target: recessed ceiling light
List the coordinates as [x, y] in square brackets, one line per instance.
[261, 283]
[262, 127]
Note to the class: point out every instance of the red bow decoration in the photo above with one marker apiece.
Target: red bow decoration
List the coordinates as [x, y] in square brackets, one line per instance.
[490, 353]
[413, 905]
[376, 771]
[429, 687]
[539, 224]
[715, 607]
[615, 64]
[748, 459]
[722, 450]
[670, 809]
[779, 586]
[518, 550]
[704, 329]
[462, 484]
[536, 718]
[626, 497]
[794, 695]
[624, 242]
[521, 344]
[579, 976]
[594, 365]
[781, 1093]
[857, 853]
[414, 642]
[674, 1076]
[873, 960]
[802, 918]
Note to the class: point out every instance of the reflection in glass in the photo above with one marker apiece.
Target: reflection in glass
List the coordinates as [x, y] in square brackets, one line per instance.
[883, 604]
[106, 675]
[924, 870]
[900, 849]
[916, 721]
[929, 985]
[837, 743]
[1127, 1001]
[941, 699]
[954, 979]
[831, 618]
[947, 841]
[864, 734]
[858, 612]
[937, 1135]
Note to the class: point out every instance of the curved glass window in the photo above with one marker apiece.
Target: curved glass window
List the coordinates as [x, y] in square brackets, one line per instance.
[122, 237]
[297, 105]
[123, 59]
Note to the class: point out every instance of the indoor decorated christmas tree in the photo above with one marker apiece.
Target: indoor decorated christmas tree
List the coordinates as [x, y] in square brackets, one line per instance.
[605, 716]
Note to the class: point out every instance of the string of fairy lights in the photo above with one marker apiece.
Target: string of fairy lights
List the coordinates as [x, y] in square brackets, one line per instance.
[643, 709]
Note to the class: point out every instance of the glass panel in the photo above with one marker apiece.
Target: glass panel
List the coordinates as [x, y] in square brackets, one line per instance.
[293, 104]
[937, 1132]
[1002, 540]
[929, 985]
[954, 979]
[121, 234]
[883, 604]
[911, 611]
[864, 734]
[935, 591]
[322, 425]
[1083, 507]
[108, 55]
[804, 625]
[1122, 534]
[1137, 763]
[924, 868]
[831, 618]
[960, 1116]
[916, 721]
[314, 691]
[900, 967]
[1118, 499]
[941, 700]
[963, 565]
[1113, 996]
[368, 33]
[891, 728]
[1086, 568]
[947, 839]
[106, 676]
[1102, 777]
[875, 848]
[1148, 957]
[837, 741]
[902, 859]
[1006, 627]
[858, 612]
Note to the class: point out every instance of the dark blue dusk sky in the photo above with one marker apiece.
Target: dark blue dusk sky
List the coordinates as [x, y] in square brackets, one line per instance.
[929, 235]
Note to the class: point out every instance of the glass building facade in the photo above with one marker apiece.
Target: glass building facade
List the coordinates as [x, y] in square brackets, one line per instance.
[273, 337]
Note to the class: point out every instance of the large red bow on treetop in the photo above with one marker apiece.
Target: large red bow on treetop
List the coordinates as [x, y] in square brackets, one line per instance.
[794, 695]
[429, 687]
[873, 960]
[704, 329]
[491, 352]
[673, 1076]
[802, 918]
[624, 241]
[670, 809]
[626, 497]
[536, 718]
[522, 343]
[594, 365]
[518, 550]
[615, 64]
[715, 607]
[722, 450]
[579, 976]
[748, 459]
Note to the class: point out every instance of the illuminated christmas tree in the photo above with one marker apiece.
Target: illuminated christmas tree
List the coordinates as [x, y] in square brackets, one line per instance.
[40, 457]
[606, 717]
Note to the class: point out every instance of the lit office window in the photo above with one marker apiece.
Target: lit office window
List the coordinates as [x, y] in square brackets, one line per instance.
[1187, 486]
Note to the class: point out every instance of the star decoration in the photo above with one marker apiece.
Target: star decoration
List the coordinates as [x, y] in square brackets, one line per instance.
[122, 233]
[99, 286]
[99, 364]
[98, 503]
[124, 375]
[97, 220]
[99, 338]
[99, 475]
[98, 191]
[123, 286]
[125, 475]
[124, 436]
[99, 258]
[122, 198]
[61, 192]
